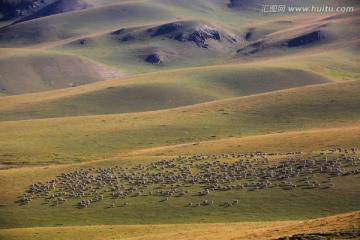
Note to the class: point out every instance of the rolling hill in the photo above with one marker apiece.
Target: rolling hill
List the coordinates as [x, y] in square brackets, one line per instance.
[321, 33]
[98, 136]
[156, 91]
[57, 28]
[34, 71]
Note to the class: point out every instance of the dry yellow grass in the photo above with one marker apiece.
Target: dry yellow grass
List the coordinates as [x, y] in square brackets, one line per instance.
[307, 141]
[240, 230]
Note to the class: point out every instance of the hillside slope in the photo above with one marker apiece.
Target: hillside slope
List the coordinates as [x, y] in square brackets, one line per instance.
[91, 137]
[155, 35]
[156, 91]
[71, 24]
[38, 71]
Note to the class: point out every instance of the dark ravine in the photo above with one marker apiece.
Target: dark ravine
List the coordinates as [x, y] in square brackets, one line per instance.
[249, 34]
[128, 37]
[167, 28]
[119, 32]
[252, 48]
[306, 39]
[155, 58]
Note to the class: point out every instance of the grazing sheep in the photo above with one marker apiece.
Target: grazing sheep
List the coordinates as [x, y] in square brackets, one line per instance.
[202, 173]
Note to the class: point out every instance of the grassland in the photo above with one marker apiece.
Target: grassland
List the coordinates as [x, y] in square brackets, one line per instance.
[255, 206]
[44, 71]
[92, 137]
[306, 141]
[200, 100]
[52, 35]
[157, 91]
[294, 204]
[58, 27]
[244, 230]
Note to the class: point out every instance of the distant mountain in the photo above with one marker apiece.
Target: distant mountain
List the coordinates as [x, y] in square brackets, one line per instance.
[25, 10]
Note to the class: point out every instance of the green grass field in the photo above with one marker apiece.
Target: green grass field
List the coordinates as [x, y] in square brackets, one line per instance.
[294, 204]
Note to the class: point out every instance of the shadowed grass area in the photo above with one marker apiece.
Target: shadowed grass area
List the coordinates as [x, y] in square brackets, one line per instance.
[27, 71]
[157, 91]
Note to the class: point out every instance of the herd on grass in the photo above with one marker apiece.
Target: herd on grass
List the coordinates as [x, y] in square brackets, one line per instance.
[197, 175]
